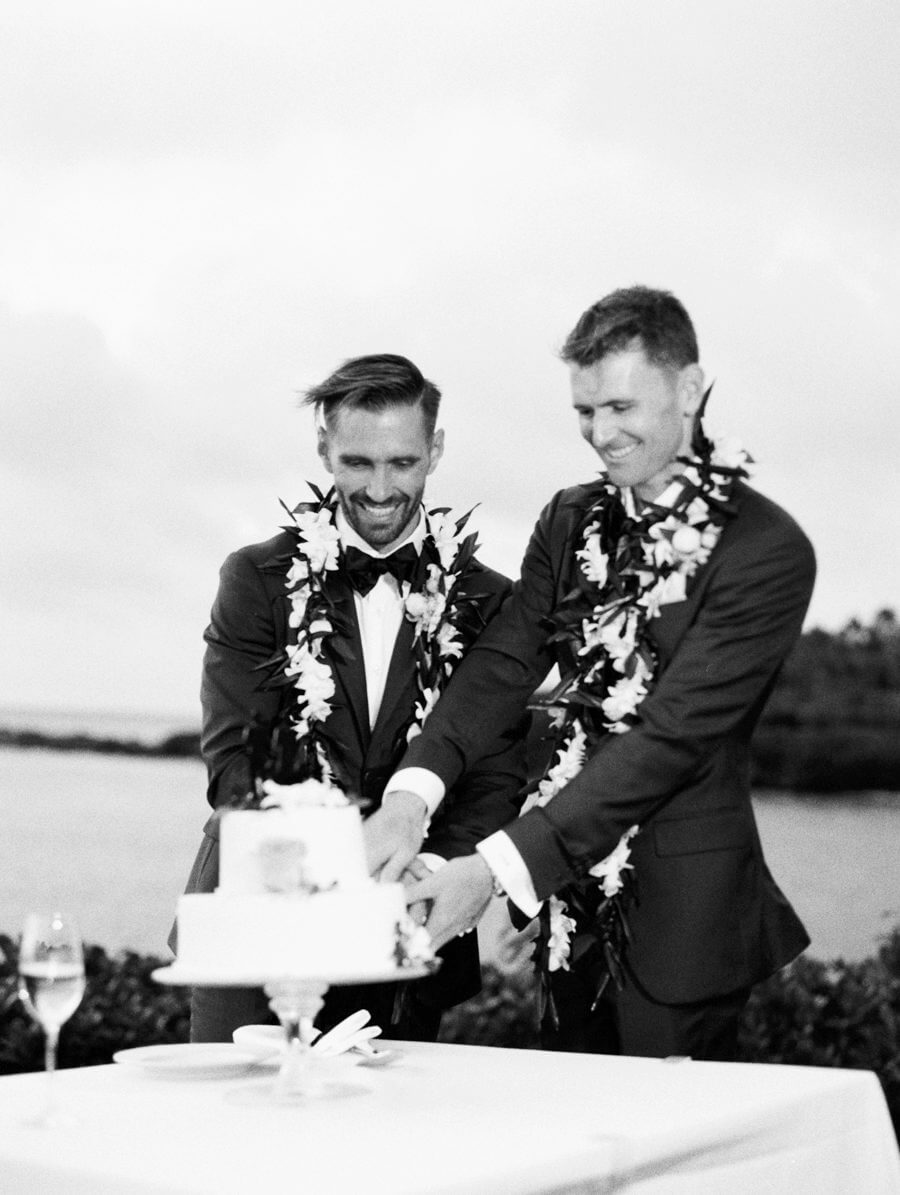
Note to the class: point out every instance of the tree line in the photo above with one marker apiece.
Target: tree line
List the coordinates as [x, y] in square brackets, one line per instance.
[830, 725]
[832, 721]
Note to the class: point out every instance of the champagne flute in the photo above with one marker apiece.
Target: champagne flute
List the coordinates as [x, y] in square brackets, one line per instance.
[51, 985]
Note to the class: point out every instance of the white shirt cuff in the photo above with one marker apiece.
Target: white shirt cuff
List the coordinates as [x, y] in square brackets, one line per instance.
[501, 856]
[432, 861]
[420, 781]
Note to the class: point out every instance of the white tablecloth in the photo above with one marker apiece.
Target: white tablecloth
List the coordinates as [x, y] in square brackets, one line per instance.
[450, 1119]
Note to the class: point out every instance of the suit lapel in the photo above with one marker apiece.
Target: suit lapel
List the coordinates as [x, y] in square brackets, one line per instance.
[670, 625]
[673, 620]
[345, 656]
[399, 677]
[676, 618]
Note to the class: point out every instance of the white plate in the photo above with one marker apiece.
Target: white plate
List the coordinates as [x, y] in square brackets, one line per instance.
[199, 1059]
[262, 1041]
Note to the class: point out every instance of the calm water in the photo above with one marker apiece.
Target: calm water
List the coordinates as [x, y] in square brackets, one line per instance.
[112, 838]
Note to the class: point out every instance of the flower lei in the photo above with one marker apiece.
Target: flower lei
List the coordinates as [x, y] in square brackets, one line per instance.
[631, 567]
[440, 613]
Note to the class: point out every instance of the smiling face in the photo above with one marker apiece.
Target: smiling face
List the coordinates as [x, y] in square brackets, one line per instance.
[379, 461]
[638, 417]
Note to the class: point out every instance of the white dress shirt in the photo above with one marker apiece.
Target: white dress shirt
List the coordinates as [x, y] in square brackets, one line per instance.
[380, 616]
[498, 850]
[380, 612]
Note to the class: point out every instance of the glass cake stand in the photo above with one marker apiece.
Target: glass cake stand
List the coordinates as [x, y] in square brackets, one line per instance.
[296, 1000]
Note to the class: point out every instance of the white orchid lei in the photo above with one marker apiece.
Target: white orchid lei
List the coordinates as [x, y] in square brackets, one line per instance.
[629, 572]
[445, 621]
[440, 615]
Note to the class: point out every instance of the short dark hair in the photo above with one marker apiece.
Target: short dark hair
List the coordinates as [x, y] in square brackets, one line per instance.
[654, 317]
[374, 383]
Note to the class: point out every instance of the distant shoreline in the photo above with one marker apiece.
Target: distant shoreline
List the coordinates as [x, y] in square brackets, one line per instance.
[785, 770]
[180, 745]
[829, 728]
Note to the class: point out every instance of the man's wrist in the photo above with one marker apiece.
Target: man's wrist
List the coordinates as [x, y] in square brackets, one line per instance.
[504, 861]
[432, 861]
[408, 805]
[420, 781]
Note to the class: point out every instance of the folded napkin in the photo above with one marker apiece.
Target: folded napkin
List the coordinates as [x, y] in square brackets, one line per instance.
[267, 1041]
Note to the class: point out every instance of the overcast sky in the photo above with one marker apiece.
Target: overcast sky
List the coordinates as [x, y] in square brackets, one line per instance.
[206, 206]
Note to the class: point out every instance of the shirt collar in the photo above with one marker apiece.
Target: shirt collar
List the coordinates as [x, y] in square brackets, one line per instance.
[351, 538]
[668, 498]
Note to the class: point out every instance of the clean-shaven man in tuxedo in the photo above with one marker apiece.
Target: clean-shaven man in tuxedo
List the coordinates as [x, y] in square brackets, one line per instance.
[686, 588]
[377, 437]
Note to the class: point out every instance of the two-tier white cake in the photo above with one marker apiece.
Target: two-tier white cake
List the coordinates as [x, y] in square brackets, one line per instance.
[294, 896]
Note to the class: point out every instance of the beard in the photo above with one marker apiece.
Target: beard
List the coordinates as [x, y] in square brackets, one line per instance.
[380, 524]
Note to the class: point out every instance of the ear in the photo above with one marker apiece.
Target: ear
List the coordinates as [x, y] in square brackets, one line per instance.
[322, 448]
[690, 390]
[437, 449]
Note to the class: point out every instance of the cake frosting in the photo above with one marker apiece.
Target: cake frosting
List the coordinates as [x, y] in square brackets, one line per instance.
[294, 896]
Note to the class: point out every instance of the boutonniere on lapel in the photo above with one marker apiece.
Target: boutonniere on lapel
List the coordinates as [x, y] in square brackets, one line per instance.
[441, 613]
[628, 570]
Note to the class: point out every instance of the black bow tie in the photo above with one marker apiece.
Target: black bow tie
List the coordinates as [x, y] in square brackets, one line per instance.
[364, 570]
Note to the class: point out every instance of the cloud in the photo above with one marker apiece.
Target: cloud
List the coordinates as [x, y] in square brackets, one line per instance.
[204, 208]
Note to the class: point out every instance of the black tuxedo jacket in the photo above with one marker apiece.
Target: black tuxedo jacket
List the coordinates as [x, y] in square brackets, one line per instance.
[248, 624]
[710, 918]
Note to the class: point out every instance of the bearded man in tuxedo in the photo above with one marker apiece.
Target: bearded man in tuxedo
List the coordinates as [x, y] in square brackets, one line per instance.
[377, 437]
[669, 594]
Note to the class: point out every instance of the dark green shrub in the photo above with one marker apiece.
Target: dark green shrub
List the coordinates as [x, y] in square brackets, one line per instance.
[122, 1007]
[504, 1013]
[831, 1014]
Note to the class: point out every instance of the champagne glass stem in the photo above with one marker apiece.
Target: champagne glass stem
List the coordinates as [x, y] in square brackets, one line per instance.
[51, 985]
[50, 1044]
[291, 1070]
[296, 1005]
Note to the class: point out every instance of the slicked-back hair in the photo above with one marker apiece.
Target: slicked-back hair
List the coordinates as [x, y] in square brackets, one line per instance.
[375, 383]
[655, 318]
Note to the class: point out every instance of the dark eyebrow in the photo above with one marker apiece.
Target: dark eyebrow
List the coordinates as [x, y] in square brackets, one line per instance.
[584, 405]
[349, 458]
[353, 457]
